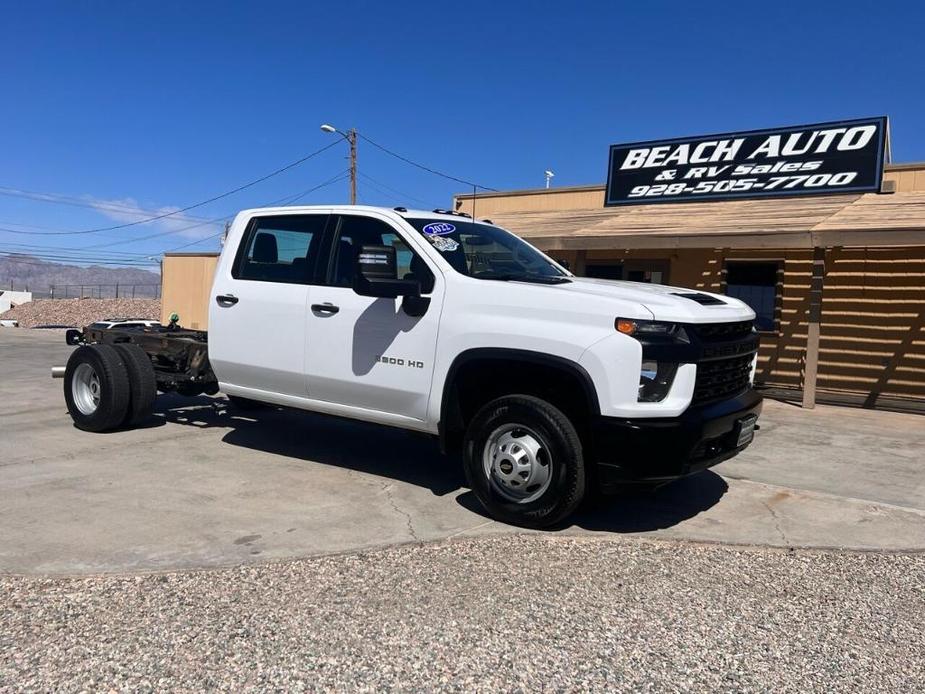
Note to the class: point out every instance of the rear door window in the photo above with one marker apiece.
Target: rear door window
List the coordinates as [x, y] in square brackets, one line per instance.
[281, 248]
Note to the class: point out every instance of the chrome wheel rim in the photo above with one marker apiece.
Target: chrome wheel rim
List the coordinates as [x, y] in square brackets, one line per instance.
[85, 389]
[517, 464]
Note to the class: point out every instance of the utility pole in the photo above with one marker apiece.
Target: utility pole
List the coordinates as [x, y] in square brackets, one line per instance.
[352, 139]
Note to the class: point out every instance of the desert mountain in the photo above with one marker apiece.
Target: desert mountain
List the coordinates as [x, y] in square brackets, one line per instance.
[25, 272]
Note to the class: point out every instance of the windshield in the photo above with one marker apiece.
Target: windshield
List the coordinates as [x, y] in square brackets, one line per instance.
[487, 252]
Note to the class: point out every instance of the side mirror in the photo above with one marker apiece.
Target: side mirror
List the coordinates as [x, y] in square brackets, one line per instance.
[73, 337]
[376, 274]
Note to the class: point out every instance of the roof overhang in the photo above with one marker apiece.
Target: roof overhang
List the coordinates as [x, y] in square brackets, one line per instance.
[871, 219]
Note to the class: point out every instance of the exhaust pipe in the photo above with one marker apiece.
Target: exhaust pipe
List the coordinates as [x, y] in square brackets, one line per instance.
[58, 371]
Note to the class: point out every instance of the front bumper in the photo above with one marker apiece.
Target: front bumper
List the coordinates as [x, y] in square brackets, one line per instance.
[661, 450]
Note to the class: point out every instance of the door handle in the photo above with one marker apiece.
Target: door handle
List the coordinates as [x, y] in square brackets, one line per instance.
[326, 307]
[226, 299]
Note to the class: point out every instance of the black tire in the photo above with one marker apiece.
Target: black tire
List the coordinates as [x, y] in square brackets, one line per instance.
[245, 403]
[562, 451]
[142, 383]
[113, 388]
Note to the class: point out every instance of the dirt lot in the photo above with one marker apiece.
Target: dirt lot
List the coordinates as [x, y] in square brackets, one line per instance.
[81, 312]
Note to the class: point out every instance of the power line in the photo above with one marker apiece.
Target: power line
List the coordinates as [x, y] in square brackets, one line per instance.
[55, 260]
[28, 247]
[394, 191]
[59, 199]
[57, 255]
[189, 207]
[425, 168]
[292, 198]
[82, 255]
[217, 220]
[121, 242]
[193, 243]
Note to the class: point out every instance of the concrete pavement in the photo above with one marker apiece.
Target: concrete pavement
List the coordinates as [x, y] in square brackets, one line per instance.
[204, 485]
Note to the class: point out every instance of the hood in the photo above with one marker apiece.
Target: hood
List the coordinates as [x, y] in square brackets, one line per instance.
[665, 303]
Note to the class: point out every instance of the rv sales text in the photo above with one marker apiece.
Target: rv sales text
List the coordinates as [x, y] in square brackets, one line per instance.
[809, 142]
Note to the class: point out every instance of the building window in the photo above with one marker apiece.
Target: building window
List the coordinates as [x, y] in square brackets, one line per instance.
[648, 271]
[604, 271]
[758, 285]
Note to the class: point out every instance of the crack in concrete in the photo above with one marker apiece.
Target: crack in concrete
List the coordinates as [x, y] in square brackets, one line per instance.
[387, 489]
[777, 526]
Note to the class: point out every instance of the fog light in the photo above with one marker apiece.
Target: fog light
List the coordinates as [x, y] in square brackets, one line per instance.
[655, 379]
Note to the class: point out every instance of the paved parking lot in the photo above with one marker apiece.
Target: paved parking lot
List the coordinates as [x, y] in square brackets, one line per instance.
[288, 552]
[204, 485]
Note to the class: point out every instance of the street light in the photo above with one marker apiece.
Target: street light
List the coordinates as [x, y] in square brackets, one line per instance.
[351, 137]
[549, 175]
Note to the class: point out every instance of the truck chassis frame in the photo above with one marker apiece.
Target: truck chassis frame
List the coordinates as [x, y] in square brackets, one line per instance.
[180, 357]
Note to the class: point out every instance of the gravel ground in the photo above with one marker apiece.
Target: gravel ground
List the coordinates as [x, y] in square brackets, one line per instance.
[510, 613]
[81, 312]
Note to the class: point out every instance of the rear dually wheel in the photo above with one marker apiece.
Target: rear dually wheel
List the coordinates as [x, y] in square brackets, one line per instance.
[96, 388]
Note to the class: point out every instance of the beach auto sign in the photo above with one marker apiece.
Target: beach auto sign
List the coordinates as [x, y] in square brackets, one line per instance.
[840, 157]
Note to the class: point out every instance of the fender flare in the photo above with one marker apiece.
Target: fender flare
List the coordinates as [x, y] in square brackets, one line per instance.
[568, 366]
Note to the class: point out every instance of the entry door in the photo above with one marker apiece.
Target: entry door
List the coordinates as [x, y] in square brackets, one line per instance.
[364, 351]
[604, 271]
[650, 271]
[259, 309]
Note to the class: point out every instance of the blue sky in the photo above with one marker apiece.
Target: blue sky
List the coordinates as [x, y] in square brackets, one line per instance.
[113, 110]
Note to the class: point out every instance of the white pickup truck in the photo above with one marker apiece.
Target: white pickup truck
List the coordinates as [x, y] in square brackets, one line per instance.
[548, 384]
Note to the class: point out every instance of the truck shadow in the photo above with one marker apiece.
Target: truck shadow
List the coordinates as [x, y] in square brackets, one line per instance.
[387, 452]
[416, 459]
[664, 507]
[639, 510]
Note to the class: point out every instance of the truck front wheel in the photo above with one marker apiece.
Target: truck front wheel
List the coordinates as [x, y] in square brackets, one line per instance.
[523, 460]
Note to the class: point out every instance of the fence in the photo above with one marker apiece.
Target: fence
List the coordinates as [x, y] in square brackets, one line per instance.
[92, 291]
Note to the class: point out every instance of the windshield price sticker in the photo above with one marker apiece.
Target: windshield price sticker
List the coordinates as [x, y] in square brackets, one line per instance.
[439, 229]
[443, 244]
[827, 158]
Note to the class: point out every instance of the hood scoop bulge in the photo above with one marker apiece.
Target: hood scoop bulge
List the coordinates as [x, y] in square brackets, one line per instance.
[702, 299]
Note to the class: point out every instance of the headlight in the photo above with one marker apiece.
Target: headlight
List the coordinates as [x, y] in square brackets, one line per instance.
[655, 379]
[647, 328]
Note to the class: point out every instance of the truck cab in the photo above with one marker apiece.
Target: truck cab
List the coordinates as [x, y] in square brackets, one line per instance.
[546, 383]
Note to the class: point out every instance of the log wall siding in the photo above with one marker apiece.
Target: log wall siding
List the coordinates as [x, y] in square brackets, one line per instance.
[873, 314]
